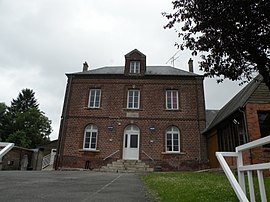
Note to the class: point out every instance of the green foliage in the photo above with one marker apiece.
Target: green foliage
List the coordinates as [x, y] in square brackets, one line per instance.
[24, 124]
[3, 112]
[192, 186]
[231, 36]
[25, 101]
[19, 138]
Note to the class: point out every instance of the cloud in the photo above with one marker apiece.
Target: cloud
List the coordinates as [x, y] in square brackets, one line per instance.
[42, 40]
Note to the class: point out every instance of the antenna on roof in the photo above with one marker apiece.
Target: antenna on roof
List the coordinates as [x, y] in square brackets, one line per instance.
[173, 58]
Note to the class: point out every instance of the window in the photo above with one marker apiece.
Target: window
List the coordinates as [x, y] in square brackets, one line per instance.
[90, 137]
[264, 122]
[172, 99]
[172, 140]
[94, 98]
[133, 99]
[134, 67]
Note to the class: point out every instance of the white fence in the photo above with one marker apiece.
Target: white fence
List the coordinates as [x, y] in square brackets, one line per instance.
[48, 159]
[239, 186]
[6, 147]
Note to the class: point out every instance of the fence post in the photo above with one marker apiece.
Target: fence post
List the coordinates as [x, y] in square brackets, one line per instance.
[251, 186]
[261, 185]
[241, 175]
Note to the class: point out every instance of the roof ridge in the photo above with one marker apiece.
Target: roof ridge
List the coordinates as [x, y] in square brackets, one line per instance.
[150, 70]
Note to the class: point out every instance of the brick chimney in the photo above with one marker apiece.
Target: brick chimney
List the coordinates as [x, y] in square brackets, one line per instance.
[85, 66]
[190, 65]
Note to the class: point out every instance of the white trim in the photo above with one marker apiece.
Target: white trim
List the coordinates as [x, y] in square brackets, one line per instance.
[90, 128]
[95, 101]
[134, 67]
[133, 101]
[131, 153]
[170, 130]
[177, 101]
[7, 147]
[88, 150]
[253, 144]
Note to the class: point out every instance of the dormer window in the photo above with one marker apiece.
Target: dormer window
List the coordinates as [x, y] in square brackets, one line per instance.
[135, 64]
[134, 67]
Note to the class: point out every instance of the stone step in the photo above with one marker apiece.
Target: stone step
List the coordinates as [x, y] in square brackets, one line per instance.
[126, 166]
[129, 161]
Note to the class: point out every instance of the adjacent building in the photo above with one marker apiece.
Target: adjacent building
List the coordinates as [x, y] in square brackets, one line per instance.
[245, 118]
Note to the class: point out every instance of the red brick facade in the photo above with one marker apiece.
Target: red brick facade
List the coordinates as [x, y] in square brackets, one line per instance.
[260, 154]
[152, 118]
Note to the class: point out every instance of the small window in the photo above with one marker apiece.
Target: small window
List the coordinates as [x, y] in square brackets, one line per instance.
[90, 137]
[264, 122]
[172, 100]
[94, 98]
[133, 101]
[172, 140]
[133, 141]
[134, 67]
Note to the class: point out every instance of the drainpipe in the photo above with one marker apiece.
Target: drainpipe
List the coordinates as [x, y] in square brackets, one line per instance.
[198, 117]
[59, 151]
[246, 132]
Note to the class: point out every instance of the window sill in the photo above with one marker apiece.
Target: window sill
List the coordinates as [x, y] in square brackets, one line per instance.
[172, 110]
[172, 153]
[92, 108]
[88, 150]
[132, 109]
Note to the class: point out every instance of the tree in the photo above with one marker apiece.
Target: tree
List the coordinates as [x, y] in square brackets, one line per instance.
[25, 101]
[232, 36]
[3, 120]
[32, 128]
[25, 124]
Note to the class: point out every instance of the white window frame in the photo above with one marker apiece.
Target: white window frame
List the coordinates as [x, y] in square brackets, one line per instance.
[96, 101]
[92, 129]
[133, 97]
[170, 100]
[172, 131]
[134, 67]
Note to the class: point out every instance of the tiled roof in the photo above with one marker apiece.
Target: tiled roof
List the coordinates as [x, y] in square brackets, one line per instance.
[210, 114]
[150, 70]
[237, 102]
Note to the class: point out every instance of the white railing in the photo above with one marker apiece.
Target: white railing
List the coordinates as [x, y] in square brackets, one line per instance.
[7, 147]
[147, 155]
[239, 186]
[46, 161]
[111, 155]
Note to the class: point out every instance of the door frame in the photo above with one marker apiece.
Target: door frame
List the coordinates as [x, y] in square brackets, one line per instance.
[131, 130]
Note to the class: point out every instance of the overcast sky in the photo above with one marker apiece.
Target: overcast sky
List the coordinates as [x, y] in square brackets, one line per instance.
[41, 40]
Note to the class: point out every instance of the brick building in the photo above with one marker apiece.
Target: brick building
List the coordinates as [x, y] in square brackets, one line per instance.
[245, 118]
[136, 112]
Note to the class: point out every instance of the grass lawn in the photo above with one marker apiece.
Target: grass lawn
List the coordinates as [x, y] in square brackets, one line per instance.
[194, 186]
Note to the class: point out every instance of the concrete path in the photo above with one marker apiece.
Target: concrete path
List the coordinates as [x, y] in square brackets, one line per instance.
[77, 186]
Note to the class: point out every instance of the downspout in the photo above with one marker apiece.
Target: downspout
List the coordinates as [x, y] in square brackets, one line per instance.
[246, 132]
[198, 121]
[59, 151]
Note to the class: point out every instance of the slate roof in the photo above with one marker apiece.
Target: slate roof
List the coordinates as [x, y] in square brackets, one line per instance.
[210, 114]
[150, 70]
[237, 102]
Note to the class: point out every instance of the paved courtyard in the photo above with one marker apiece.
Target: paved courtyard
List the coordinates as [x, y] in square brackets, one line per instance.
[77, 186]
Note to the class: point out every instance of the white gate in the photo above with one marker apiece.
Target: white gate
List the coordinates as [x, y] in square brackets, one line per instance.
[5, 147]
[239, 186]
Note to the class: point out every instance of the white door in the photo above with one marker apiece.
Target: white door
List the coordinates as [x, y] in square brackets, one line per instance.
[131, 143]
